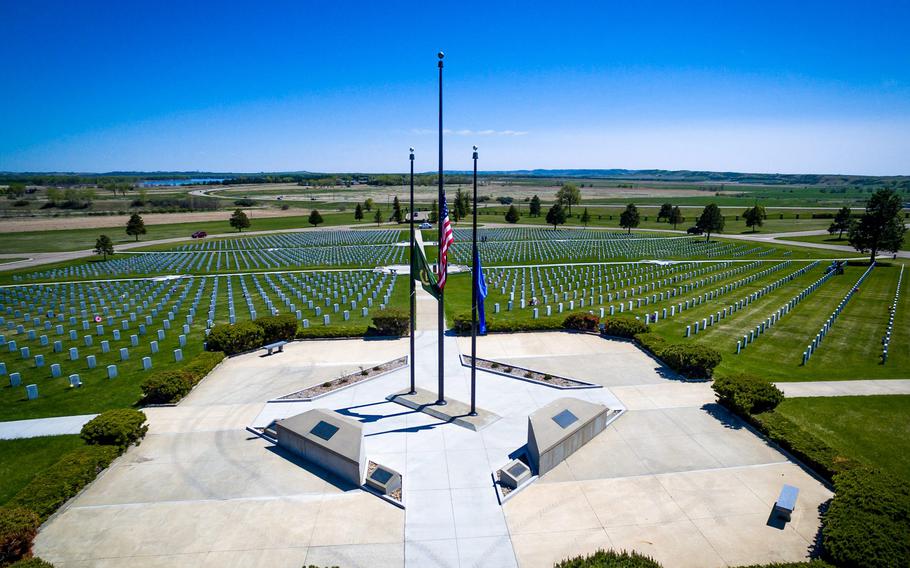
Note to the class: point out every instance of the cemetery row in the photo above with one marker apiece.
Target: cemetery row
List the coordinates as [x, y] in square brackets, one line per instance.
[143, 264]
[54, 336]
[542, 291]
[556, 250]
[892, 311]
[296, 240]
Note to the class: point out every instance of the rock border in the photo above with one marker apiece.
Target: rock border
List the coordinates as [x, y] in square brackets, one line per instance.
[521, 374]
[346, 381]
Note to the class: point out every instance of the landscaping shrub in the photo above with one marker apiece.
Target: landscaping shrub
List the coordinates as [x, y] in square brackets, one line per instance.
[52, 487]
[164, 387]
[119, 427]
[235, 338]
[691, 359]
[623, 326]
[18, 526]
[325, 332]
[582, 321]
[461, 325]
[809, 564]
[32, 562]
[609, 559]
[868, 522]
[391, 322]
[277, 328]
[651, 343]
[747, 394]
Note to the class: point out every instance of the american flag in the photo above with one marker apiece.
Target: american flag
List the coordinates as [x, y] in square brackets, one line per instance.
[448, 239]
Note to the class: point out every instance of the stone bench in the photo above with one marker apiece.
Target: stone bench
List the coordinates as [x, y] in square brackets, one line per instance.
[786, 501]
[277, 346]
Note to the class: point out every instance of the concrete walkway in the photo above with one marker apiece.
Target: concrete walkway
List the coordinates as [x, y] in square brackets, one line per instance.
[43, 426]
[845, 388]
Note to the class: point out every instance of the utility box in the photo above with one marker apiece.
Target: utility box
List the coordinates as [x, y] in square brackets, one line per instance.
[514, 474]
[327, 439]
[561, 428]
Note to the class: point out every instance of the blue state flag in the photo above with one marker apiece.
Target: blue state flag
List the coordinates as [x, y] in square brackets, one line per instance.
[481, 294]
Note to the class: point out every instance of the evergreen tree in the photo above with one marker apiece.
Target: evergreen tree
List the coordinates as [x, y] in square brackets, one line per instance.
[534, 207]
[104, 246]
[585, 217]
[556, 215]
[630, 218]
[880, 227]
[675, 217]
[378, 217]
[512, 214]
[239, 220]
[665, 211]
[358, 213]
[135, 226]
[711, 220]
[841, 223]
[397, 215]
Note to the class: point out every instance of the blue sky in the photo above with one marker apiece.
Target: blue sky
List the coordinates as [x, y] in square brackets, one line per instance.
[767, 86]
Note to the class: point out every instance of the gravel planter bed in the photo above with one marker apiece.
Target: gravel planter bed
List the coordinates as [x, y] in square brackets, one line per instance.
[527, 374]
[346, 381]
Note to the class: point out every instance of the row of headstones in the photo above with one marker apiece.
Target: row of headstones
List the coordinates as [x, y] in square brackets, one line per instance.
[727, 288]
[758, 330]
[56, 370]
[694, 328]
[295, 240]
[829, 323]
[540, 234]
[892, 311]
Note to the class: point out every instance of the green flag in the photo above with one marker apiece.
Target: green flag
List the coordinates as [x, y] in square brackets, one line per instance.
[421, 270]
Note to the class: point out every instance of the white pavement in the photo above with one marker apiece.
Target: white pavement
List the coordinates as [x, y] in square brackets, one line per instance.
[43, 426]
[845, 388]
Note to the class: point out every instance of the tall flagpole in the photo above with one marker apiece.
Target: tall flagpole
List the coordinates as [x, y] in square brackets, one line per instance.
[474, 279]
[441, 306]
[413, 290]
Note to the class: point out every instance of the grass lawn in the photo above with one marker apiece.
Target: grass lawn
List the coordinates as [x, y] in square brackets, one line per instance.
[873, 429]
[22, 459]
[833, 240]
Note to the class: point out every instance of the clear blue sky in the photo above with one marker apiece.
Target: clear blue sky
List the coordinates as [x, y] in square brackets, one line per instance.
[761, 86]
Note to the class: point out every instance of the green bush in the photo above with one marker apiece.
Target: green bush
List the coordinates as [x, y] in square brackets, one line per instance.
[747, 394]
[609, 559]
[119, 427]
[327, 332]
[235, 338]
[691, 359]
[163, 387]
[582, 321]
[33, 562]
[623, 326]
[808, 564]
[391, 323]
[277, 328]
[18, 526]
[52, 487]
[868, 522]
[651, 343]
[808, 448]
[461, 324]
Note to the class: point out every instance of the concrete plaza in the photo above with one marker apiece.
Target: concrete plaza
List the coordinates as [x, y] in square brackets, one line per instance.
[674, 476]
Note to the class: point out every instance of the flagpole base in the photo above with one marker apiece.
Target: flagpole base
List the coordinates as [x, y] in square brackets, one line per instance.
[441, 402]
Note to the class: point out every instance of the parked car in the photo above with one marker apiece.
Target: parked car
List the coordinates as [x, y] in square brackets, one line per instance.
[200, 235]
[426, 226]
[694, 231]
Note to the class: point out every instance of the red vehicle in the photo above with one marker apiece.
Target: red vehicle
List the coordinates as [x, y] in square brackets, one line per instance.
[200, 235]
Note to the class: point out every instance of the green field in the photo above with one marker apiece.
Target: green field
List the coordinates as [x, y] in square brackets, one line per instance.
[871, 429]
[22, 459]
[833, 240]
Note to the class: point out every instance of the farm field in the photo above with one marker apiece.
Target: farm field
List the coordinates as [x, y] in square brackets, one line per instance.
[871, 429]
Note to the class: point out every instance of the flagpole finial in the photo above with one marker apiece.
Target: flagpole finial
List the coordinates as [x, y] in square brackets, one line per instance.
[475, 152]
[411, 150]
[440, 55]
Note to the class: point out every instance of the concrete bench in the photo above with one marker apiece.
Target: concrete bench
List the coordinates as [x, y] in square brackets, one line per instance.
[277, 346]
[786, 502]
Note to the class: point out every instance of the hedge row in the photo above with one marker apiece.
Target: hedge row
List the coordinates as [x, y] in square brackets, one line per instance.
[808, 448]
[18, 527]
[609, 559]
[623, 326]
[32, 562]
[747, 394]
[52, 487]
[693, 360]
[461, 325]
[248, 335]
[163, 387]
[120, 427]
[331, 332]
[390, 323]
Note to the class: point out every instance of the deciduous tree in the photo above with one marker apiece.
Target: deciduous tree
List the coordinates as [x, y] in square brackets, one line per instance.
[711, 220]
[556, 215]
[239, 220]
[881, 227]
[841, 223]
[104, 246]
[315, 218]
[630, 218]
[135, 226]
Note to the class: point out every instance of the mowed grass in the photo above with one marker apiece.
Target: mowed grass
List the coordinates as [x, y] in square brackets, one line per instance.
[851, 349]
[82, 239]
[22, 459]
[833, 240]
[872, 429]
